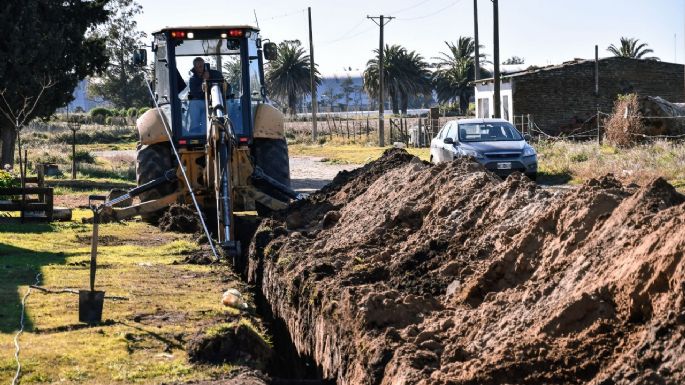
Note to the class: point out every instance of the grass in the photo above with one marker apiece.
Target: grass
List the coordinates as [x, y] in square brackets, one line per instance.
[559, 162]
[143, 338]
[348, 153]
[578, 162]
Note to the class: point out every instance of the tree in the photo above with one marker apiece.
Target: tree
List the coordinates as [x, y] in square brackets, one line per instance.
[287, 77]
[123, 83]
[514, 60]
[348, 88]
[46, 49]
[630, 48]
[454, 72]
[404, 74]
[233, 73]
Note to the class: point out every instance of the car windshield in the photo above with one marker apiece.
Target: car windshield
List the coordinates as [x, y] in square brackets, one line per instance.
[488, 132]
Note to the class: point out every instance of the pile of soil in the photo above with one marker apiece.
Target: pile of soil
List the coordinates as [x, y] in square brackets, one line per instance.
[407, 273]
[228, 342]
[180, 218]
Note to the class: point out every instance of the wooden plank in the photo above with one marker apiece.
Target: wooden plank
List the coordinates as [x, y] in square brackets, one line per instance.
[28, 207]
[25, 190]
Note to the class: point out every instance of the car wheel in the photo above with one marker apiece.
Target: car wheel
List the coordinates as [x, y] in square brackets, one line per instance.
[532, 176]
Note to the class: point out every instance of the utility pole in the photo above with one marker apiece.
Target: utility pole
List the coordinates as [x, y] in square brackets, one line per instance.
[312, 83]
[383, 20]
[476, 63]
[498, 100]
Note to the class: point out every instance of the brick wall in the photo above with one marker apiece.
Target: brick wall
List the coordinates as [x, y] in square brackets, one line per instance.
[559, 98]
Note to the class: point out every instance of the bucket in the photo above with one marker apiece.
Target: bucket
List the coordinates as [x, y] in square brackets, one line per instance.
[90, 306]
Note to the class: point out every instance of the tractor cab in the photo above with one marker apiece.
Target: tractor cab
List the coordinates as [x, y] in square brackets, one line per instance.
[189, 61]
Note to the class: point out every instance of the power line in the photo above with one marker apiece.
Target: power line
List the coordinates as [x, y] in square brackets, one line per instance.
[412, 6]
[348, 37]
[346, 34]
[303, 10]
[432, 13]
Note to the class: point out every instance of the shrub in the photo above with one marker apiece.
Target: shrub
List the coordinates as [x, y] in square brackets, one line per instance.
[142, 110]
[6, 179]
[83, 156]
[624, 126]
[50, 157]
[100, 111]
[131, 112]
[108, 121]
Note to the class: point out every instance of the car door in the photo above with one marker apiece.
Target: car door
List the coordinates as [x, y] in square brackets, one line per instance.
[437, 144]
[448, 148]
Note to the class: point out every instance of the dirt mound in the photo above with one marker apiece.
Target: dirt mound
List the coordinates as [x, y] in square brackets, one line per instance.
[180, 218]
[202, 256]
[403, 272]
[232, 341]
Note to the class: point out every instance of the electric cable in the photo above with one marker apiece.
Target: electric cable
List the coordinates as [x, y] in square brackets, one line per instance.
[430, 14]
[21, 330]
[167, 130]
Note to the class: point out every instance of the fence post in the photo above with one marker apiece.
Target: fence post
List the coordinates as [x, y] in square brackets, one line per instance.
[599, 130]
[347, 127]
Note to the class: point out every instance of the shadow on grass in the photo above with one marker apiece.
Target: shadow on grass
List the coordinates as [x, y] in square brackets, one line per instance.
[551, 179]
[14, 225]
[19, 267]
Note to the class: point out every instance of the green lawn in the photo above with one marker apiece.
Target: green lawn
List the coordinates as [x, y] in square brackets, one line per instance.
[142, 339]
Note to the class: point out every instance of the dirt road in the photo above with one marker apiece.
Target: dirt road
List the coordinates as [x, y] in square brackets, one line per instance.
[307, 173]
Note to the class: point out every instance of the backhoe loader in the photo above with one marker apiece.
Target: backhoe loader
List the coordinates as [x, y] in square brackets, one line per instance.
[223, 151]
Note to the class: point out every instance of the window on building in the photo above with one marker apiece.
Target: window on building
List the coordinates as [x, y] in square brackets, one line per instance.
[505, 107]
[483, 108]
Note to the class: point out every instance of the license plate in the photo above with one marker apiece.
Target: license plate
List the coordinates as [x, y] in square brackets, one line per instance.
[504, 165]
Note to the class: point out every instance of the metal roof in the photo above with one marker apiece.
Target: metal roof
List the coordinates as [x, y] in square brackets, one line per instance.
[535, 69]
[196, 27]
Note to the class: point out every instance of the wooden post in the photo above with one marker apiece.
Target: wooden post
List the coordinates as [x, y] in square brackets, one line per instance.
[599, 130]
[419, 135]
[347, 128]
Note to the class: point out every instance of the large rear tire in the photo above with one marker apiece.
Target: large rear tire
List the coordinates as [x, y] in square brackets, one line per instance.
[271, 155]
[151, 162]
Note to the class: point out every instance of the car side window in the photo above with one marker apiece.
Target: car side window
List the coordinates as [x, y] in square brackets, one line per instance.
[452, 133]
[442, 133]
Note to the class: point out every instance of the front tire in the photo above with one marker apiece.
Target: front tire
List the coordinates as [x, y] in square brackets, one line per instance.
[151, 163]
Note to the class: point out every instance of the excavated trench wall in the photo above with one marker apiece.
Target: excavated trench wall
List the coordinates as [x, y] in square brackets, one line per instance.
[407, 273]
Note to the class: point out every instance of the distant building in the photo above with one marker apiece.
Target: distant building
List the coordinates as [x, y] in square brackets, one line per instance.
[83, 101]
[563, 96]
[340, 92]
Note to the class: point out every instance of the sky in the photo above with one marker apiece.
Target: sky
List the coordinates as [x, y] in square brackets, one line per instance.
[541, 31]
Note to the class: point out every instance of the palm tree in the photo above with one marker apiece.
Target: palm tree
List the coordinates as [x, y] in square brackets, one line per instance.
[454, 71]
[288, 76]
[404, 74]
[631, 49]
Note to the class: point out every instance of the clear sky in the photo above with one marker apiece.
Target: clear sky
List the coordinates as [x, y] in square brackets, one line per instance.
[541, 31]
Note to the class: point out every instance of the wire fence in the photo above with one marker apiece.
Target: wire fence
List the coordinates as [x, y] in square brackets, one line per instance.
[419, 131]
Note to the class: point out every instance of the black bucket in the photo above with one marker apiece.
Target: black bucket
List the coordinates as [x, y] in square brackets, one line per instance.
[90, 306]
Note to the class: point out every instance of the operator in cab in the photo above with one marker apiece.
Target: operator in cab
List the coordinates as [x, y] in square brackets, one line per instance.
[196, 96]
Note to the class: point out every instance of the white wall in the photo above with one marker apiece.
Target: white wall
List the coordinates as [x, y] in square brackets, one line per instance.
[487, 91]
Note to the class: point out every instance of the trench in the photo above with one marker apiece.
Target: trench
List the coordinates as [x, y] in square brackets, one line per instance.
[286, 366]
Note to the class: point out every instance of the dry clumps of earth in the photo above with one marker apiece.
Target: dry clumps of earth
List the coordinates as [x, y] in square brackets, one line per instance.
[402, 272]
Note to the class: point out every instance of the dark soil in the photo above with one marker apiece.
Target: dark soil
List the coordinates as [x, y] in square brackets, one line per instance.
[203, 256]
[180, 218]
[403, 272]
[231, 341]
